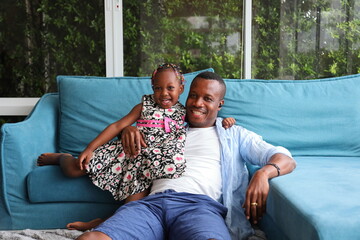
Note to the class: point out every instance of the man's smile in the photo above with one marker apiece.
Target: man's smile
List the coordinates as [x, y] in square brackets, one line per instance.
[197, 112]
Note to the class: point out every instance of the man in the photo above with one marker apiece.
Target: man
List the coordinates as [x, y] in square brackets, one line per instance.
[189, 207]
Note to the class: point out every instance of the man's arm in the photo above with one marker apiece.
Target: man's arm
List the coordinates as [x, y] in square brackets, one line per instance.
[258, 189]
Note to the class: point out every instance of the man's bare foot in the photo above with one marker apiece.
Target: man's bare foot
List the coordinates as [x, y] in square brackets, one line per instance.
[84, 226]
[49, 159]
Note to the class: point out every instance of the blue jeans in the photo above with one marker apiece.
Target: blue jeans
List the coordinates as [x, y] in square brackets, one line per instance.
[168, 215]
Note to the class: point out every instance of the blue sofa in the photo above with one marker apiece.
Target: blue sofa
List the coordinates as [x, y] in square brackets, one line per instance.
[314, 119]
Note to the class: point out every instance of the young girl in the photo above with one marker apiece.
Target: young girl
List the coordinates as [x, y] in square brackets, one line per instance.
[160, 117]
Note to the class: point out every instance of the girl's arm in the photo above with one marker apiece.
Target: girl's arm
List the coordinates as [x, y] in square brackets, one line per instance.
[107, 134]
[228, 122]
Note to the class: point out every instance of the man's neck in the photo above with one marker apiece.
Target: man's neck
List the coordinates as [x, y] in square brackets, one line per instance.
[201, 128]
[210, 126]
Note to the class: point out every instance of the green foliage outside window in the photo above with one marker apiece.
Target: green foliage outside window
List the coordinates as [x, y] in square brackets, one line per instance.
[306, 39]
[41, 39]
[162, 31]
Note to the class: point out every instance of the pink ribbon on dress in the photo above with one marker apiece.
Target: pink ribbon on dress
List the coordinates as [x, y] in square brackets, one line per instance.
[167, 123]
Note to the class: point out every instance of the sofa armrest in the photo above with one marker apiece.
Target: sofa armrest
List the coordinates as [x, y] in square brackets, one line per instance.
[20, 145]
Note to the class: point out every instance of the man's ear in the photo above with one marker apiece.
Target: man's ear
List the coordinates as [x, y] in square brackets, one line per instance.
[221, 103]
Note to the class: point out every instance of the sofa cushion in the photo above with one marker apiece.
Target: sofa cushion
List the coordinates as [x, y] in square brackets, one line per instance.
[319, 200]
[309, 117]
[89, 104]
[48, 184]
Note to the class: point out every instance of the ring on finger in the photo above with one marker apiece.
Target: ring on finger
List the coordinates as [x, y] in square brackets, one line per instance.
[254, 204]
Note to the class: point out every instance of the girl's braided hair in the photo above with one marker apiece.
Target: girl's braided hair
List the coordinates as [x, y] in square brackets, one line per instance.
[174, 67]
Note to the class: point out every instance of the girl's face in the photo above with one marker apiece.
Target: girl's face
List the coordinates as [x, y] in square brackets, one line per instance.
[167, 88]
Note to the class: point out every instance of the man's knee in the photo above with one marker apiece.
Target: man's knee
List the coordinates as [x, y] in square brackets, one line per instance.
[93, 236]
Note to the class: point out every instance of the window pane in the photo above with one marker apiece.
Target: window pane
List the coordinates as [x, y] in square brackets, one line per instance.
[306, 39]
[196, 34]
[42, 39]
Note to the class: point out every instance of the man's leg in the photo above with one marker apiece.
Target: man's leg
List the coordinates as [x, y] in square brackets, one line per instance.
[84, 226]
[140, 219]
[196, 217]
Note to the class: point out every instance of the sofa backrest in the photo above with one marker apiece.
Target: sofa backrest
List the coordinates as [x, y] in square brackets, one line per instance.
[89, 104]
[309, 117]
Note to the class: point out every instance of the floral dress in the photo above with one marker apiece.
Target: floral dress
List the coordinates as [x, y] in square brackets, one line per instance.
[164, 134]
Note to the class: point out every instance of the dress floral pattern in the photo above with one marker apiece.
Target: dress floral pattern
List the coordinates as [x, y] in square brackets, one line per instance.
[164, 134]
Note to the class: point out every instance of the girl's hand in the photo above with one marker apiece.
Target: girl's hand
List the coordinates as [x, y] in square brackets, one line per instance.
[84, 159]
[228, 122]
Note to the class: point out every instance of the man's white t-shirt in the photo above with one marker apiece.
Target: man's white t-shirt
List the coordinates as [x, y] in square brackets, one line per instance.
[203, 170]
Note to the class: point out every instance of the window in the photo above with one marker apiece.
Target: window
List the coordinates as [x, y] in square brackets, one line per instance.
[42, 39]
[194, 34]
[305, 39]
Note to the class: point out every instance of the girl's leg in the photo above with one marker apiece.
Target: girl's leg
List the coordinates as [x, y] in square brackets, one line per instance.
[84, 226]
[66, 161]
[93, 236]
[137, 196]
[49, 159]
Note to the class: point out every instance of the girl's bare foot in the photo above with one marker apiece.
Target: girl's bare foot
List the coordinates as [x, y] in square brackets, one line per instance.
[49, 159]
[84, 226]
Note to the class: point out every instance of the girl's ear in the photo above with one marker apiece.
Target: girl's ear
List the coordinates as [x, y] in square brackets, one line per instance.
[181, 88]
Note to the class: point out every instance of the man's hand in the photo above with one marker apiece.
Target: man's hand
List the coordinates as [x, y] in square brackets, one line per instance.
[256, 195]
[132, 141]
[258, 189]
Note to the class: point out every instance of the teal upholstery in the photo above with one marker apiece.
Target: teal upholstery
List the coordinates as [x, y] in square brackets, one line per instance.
[21, 144]
[320, 200]
[309, 117]
[315, 119]
[82, 190]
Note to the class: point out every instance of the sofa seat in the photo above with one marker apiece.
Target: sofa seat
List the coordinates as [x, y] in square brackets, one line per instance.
[317, 201]
[48, 184]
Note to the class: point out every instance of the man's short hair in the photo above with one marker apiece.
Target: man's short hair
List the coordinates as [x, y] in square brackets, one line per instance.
[213, 76]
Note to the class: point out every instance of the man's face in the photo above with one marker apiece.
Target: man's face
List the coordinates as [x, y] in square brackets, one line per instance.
[203, 103]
